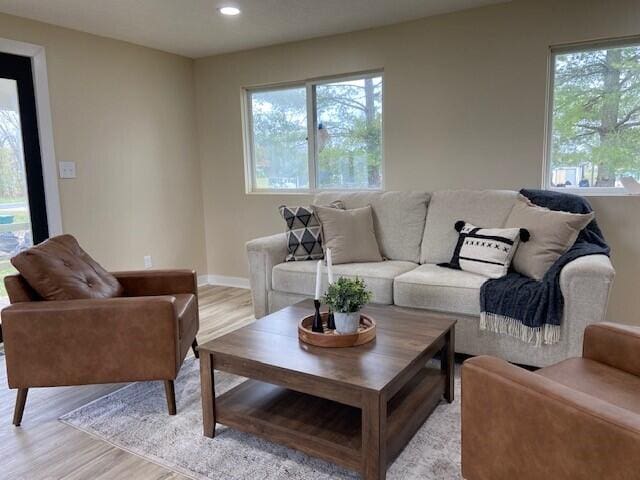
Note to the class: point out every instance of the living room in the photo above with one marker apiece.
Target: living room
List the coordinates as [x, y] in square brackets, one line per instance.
[165, 137]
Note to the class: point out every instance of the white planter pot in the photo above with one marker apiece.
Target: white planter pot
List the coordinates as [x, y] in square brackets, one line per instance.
[347, 322]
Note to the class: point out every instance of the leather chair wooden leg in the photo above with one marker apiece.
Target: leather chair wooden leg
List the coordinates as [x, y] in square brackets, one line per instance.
[21, 400]
[170, 393]
[194, 347]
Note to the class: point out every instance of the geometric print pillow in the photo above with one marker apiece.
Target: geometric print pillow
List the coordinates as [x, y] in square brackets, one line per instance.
[304, 232]
[485, 251]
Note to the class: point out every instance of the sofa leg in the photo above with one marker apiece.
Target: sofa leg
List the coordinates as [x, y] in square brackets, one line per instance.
[170, 393]
[21, 400]
[194, 347]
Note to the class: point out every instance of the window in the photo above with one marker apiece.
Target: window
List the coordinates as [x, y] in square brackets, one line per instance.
[594, 134]
[320, 134]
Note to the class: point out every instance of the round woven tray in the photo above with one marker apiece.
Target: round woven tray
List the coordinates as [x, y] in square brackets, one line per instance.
[330, 339]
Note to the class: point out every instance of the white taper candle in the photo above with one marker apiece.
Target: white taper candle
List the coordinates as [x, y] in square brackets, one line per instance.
[329, 266]
[318, 279]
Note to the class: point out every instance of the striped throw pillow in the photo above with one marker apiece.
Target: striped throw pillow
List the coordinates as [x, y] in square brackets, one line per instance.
[485, 251]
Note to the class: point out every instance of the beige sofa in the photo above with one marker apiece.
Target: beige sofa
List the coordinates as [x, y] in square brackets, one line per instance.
[415, 231]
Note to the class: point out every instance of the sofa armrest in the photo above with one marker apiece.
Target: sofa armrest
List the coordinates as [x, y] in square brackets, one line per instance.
[615, 345]
[517, 424]
[76, 342]
[586, 285]
[264, 253]
[158, 282]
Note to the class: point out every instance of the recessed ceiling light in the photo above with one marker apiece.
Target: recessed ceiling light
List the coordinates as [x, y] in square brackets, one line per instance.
[229, 11]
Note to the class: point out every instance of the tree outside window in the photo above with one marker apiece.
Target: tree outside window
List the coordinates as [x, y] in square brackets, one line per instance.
[316, 135]
[595, 134]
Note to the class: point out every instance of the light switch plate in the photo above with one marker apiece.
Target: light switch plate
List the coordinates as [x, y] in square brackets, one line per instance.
[148, 263]
[67, 169]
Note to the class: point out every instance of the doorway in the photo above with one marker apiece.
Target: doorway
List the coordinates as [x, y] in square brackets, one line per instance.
[23, 212]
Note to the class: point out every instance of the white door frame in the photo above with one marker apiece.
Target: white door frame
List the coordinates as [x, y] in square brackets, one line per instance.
[45, 127]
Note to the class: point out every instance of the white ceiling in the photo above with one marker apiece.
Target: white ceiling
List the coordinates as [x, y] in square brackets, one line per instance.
[194, 28]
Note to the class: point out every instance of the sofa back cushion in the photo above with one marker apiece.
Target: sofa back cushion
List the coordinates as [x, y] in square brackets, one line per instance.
[398, 219]
[484, 208]
[59, 269]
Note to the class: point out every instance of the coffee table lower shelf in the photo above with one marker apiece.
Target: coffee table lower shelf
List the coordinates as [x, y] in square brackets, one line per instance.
[324, 428]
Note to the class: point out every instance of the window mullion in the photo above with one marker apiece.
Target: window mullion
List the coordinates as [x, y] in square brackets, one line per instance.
[251, 142]
[311, 134]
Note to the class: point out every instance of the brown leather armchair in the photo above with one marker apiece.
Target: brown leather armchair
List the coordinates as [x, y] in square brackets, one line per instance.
[577, 419]
[144, 334]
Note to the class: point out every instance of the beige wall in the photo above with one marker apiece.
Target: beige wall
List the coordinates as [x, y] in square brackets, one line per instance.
[126, 115]
[464, 108]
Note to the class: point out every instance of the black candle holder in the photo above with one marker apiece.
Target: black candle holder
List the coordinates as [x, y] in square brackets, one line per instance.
[331, 322]
[317, 319]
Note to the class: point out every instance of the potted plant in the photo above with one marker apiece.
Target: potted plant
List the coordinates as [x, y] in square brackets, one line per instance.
[346, 297]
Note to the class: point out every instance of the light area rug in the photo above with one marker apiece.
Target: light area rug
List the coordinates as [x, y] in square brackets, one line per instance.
[135, 419]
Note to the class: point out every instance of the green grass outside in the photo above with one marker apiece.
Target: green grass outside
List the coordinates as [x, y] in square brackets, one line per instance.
[11, 200]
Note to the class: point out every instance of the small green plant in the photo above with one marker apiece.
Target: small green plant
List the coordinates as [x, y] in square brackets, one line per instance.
[346, 295]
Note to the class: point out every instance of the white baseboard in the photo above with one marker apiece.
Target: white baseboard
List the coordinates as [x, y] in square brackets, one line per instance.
[225, 281]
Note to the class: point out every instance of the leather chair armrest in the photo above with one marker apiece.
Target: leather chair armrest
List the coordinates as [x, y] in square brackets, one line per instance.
[613, 344]
[517, 424]
[158, 282]
[77, 342]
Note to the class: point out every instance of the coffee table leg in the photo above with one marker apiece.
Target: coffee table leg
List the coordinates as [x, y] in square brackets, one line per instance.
[448, 363]
[374, 443]
[207, 387]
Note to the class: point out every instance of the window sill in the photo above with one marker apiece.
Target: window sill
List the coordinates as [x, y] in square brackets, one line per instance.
[280, 192]
[595, 192]
[314, 192]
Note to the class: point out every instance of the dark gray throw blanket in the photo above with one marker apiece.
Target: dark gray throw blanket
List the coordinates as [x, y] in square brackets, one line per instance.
[532, 310]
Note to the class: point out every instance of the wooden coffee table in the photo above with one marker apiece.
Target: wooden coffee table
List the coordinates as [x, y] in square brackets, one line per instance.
[357, 407]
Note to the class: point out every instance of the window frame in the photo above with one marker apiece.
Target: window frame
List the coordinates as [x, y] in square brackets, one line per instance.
[554, 51]
[312, 125]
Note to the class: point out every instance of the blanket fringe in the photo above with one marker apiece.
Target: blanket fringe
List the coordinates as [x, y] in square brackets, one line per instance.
[545, 335]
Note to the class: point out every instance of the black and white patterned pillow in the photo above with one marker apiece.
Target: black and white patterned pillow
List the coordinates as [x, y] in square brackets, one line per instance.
[485, 251]
[304, 232]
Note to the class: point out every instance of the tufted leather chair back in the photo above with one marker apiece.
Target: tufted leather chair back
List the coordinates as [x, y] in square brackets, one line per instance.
[59, 269]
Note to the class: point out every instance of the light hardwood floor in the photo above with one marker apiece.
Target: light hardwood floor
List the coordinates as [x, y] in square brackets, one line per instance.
[44, 448]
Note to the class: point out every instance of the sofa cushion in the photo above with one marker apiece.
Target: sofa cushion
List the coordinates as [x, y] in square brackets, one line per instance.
[484, 208]
[59, 269]
[398, 219]
[439, 288]
[300, 277]
[598, 380]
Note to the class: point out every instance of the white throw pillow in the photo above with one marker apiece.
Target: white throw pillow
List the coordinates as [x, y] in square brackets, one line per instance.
[485, 251]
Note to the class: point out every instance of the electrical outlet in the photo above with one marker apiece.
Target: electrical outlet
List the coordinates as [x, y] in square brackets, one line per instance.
[67, 169]
[147, 261]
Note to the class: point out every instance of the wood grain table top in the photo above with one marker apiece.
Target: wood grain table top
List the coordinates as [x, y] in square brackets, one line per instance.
[403, 337]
